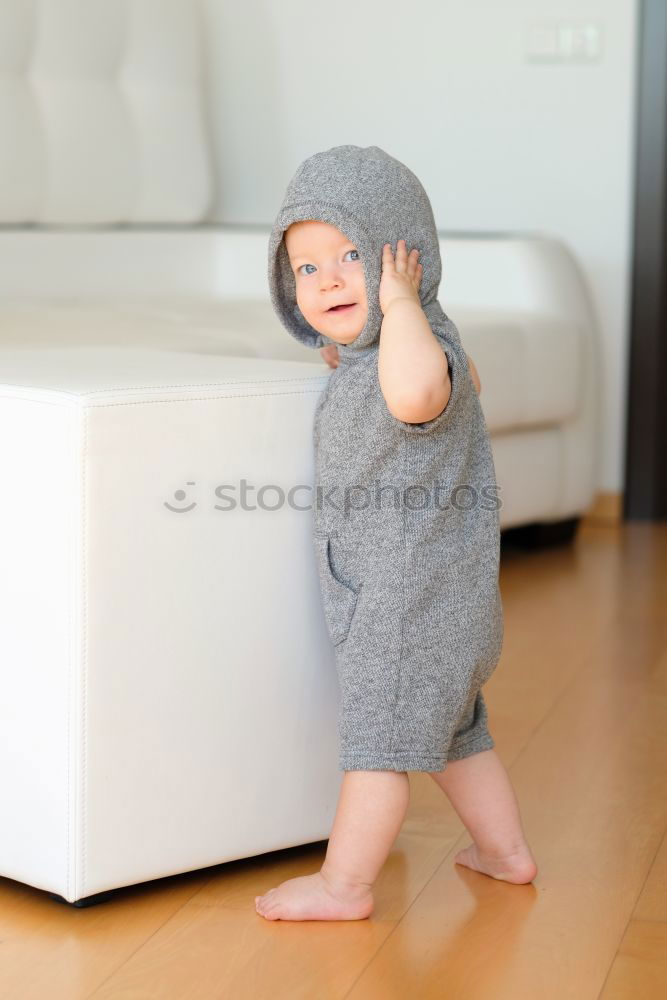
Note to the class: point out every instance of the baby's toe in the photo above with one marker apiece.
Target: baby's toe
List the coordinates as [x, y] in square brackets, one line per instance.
[270, 910]
[263, 902]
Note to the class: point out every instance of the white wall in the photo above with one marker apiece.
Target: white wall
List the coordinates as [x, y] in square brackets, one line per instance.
[499, 142]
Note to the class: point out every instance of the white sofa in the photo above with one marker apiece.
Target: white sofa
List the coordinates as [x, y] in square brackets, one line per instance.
[170, 697]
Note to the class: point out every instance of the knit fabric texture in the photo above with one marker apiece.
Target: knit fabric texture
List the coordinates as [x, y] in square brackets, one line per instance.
[406, 528]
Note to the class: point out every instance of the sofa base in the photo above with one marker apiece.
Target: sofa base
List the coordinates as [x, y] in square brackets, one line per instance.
[541, 535]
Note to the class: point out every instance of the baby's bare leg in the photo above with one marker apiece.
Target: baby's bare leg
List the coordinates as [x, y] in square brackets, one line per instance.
[371, 809]
[480, 790]
[370, 813]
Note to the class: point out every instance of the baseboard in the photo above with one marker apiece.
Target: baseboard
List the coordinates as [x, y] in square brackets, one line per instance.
[606, 509]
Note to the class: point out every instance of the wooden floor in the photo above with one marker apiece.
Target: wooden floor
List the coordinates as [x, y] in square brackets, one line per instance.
[578, 709]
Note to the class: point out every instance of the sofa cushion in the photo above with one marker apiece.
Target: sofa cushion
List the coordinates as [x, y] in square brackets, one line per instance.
[529, 364]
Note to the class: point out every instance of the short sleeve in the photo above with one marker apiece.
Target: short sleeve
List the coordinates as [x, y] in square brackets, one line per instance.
[458, 371]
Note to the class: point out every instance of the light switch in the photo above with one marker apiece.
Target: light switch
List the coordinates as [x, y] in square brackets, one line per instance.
[563, 41]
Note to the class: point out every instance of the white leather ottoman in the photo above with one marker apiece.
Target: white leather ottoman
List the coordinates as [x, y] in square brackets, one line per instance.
[169, 691]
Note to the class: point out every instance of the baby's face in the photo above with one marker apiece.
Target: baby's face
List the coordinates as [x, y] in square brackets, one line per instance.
[328, 271]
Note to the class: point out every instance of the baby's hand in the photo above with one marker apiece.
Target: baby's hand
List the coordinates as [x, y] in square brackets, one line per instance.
[330, 355]
[400, 279]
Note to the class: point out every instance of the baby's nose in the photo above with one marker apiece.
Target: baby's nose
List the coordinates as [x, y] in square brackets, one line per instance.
[330, 281]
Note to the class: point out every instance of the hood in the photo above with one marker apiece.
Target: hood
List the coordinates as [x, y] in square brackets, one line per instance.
[373, 199]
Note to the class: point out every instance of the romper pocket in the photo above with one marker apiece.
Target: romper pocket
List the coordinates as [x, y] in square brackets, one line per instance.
[339, 599]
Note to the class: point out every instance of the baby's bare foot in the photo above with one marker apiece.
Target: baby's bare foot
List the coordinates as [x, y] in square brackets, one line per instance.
[310, 897]
[517, 867]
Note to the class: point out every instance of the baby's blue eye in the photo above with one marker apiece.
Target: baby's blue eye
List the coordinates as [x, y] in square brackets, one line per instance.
[313, 266]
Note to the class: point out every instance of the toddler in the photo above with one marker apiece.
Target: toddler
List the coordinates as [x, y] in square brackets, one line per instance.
[406, 526]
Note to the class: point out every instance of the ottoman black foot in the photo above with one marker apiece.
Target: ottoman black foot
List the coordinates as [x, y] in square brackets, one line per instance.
[99, 897]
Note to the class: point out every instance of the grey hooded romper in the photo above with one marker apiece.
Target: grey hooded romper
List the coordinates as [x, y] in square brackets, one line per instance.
[406, 525]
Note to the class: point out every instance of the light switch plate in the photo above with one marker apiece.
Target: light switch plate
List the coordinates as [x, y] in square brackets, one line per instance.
[550, 41]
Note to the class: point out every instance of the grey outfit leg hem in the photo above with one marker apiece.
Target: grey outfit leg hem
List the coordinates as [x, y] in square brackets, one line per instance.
[407, 760]
[376, 760]
[469, 747]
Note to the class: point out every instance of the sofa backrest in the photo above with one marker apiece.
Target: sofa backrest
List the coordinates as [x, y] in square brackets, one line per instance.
[512, 271]
[102, 113]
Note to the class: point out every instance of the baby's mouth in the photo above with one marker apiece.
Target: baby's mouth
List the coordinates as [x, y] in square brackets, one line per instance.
[342, 308]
